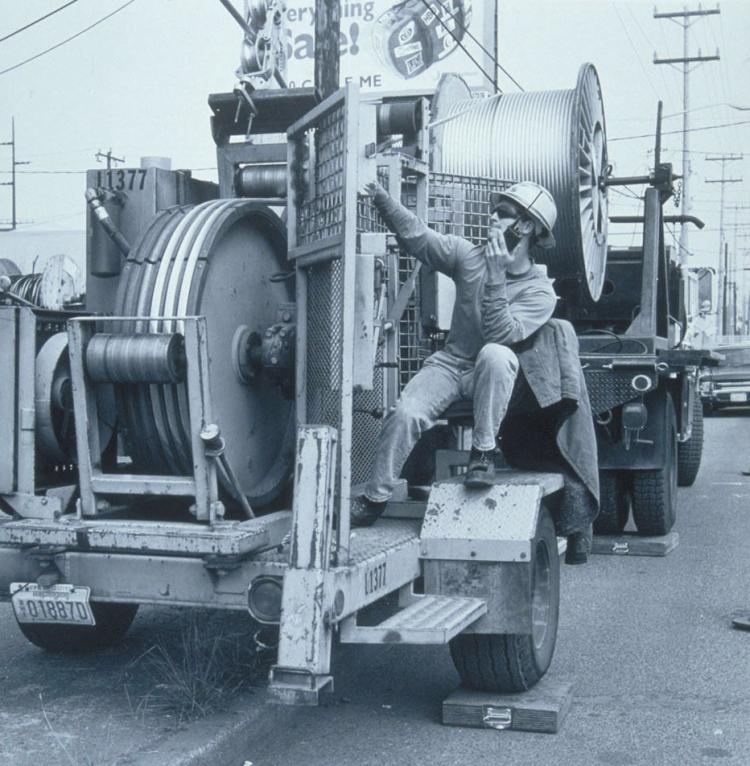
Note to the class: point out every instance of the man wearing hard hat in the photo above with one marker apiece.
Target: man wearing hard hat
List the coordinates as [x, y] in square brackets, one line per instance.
[501, 324]
[502, 298]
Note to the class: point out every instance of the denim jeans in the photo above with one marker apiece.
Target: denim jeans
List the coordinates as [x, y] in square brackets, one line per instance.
[444, 379]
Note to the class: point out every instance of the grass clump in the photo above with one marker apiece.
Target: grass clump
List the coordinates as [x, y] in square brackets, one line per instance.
[200, 665]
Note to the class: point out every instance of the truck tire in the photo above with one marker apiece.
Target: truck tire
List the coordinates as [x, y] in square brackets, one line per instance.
[655, 492]
[689, 453]
[509, 662]
[112, 623]
[614, 503]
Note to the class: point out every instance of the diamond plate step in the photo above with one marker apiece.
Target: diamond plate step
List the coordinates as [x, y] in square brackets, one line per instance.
[228, 538]
[429, 620]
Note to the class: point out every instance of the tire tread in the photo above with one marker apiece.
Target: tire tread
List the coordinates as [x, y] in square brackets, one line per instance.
[690, 453]
[498, 662]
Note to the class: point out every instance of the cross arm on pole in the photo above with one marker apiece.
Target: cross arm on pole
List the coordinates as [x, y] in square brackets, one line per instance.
[685, 13]
[687, 59]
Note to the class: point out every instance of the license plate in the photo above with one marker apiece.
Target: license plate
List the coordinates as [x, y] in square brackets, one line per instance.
[60, 604]
[737, 397]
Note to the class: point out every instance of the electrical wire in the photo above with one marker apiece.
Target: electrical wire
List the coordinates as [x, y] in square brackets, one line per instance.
[635, 50]
[67, 39]
[675, 132]
[71, 172]
[43, 172]
[36, 21]
[677, 242]
[690, 151]
[632, 195]
[707, 106]
[457, 41]
[482, 48]
[667, 89]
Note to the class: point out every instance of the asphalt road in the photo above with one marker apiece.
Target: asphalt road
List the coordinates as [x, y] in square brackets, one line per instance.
[660, 676]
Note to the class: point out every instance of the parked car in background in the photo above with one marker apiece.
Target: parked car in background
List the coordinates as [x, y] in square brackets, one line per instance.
[728, 384]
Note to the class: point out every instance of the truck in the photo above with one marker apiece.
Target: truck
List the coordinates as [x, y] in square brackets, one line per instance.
[195, 434]
[641, 376]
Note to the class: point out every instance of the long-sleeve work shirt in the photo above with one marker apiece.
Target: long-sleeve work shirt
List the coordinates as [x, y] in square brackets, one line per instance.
[506, 310]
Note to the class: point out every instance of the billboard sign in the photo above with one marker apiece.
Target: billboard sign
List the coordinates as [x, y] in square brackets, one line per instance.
[396, 46]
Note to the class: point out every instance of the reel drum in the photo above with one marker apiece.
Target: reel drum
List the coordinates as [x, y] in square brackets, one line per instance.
[555, 138]
[215, 259]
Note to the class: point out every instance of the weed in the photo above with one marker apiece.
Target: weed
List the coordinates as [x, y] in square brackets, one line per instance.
[77, 752]
[198, 668]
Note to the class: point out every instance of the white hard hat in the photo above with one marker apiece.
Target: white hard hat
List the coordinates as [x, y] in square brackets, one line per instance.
[537, 203]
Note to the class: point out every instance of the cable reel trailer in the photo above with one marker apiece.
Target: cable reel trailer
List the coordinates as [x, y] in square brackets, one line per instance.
[251, 356]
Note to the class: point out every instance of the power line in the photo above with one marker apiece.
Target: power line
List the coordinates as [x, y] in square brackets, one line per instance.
[72, 172]
[457, 41]
[482, 48]
[632, 195]
[675, 132]
[628, 8]
[690, 151]
[677, 242]
[67, 39]
[44, 172]
[635, 50]
[36, 21]
[709, 106]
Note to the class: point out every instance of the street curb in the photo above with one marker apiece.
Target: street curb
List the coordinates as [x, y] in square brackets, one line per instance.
[217, 740]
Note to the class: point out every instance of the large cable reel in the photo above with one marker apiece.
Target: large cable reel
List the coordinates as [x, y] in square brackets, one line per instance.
[556, 138]
[218, 260]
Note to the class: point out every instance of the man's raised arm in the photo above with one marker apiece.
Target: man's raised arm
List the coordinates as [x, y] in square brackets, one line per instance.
[437, 251]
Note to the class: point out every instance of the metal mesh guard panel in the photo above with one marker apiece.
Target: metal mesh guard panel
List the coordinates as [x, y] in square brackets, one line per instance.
[366, 426]
[321, 215]
[368, 218]
[324, 342]
[460, 205]
[609, 389]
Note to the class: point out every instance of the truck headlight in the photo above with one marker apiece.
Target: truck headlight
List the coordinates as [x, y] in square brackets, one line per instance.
[264, 599]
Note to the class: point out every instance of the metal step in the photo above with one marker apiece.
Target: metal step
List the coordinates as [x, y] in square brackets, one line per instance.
[429, 620]
[228, 538]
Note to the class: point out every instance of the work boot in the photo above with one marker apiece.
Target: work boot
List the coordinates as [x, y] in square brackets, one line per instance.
[579, 546]
[480, 470]
[365, 512]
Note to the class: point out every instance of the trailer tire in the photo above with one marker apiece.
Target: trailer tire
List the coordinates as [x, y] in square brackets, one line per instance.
[655, 492]
[690, 453]
[516, 662]
[614, 503]
[112, 623]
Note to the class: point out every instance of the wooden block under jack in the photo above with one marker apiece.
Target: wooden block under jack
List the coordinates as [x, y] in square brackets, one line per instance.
[631, 544]
[541, 709]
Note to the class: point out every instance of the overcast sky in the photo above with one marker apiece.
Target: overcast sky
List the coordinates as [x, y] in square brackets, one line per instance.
[138, 83]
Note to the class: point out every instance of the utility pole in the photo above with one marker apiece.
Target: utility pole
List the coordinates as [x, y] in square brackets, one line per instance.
[723, 247]
[686, 19]
[327, 26]
[99, 156]
[14, 163]
[737, 269]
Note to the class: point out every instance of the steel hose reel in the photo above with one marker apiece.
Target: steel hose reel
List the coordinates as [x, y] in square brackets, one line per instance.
[212, 260]
[555, 138]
